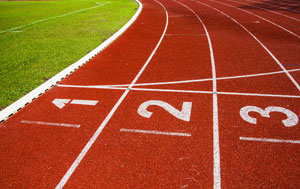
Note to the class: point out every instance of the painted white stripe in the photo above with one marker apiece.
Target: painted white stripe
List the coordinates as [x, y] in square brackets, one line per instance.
[270, 140]
[181, 91]
[111, 113]
[50, 124]
[19, 104]
[217, 168]
[43, 20]
[258, 17]
[155, 132]
[200, 80]
[273, 5]
[85, 102]
[261, 44]
[266, 10]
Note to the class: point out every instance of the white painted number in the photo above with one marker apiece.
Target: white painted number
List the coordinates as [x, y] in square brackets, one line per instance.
[290, 121]
[184, 114]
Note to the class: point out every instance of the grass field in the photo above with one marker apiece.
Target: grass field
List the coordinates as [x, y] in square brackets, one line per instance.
[34, 53]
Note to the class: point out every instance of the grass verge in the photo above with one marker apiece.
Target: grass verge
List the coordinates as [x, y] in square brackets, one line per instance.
[32, 54]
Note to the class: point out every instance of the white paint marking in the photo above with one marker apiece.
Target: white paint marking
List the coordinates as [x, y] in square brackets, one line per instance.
[16, 31]
[266, 10]
[291, 120]
[274, 5]
[43, 20]
[185, 34]
[199, 80]
[155, 132]
[270, 140]
[50, 124]
[79, 158]
[184, 114]
[180, 91]
[60, 103]
[217, 168]
[258, 17]
[85, 102]
[254, 37]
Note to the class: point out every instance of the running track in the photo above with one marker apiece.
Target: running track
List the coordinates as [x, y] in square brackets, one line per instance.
[221, 79]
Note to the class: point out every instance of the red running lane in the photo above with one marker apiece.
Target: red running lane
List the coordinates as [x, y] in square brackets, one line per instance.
[169, 149]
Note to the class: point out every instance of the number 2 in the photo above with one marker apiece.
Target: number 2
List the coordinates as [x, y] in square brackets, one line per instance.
[290, 121]
[184, 114]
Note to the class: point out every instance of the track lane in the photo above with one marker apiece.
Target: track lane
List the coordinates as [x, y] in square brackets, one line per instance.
[44, 153]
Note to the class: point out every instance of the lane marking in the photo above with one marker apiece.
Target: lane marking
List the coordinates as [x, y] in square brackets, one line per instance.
[216, 145]
[261, 44]
[270, 140]
[43, 20]
[266, 10]
[85, 102]
[258, 17]
[79, 158]
[179, 91]
[201, 80]
[272, 5]
[50, 124]
[156, 132]
[175, 34]
[61, 103]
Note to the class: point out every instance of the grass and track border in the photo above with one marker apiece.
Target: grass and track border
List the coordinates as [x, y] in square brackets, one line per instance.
[35, 93]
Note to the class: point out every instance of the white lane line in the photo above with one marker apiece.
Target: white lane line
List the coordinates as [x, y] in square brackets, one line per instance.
[272, 5]
[266, 10]
[43, 20]
[174, 34]
[200, 80]
[50, 124]
[216, 145]
[79, 158]
[270, 140]
[228, 5]
[155, 132]
[261, 44]
[179, 91]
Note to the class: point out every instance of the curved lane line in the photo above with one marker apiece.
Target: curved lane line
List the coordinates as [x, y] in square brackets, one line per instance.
[192, 80]
[267, 10]
[216, 145]
[79, 158]
[284, 8]
[259, 17]
[261, 44]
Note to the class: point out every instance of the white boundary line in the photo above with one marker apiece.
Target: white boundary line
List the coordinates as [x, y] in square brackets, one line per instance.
[198, 80]
[292, 18]
[155, 132]
[19, 104]
[270, 140]
[179, 91]
[79, 158]
[261, 44]
[272, 5]
[216, 145]
[43, 20]
[228, 5]
[50, 124]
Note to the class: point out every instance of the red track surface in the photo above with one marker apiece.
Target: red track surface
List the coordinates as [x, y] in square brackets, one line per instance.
[40, 156]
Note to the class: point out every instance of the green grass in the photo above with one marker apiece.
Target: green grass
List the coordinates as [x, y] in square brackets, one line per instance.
[29, 58]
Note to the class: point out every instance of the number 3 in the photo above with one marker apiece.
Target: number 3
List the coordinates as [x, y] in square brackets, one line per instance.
[184, 114]
[290, 121]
